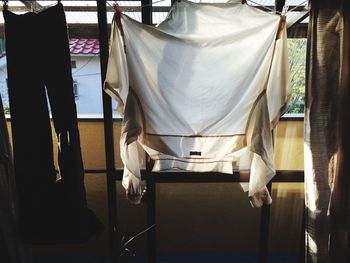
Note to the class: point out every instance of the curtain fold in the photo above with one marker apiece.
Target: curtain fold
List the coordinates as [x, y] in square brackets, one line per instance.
[327, 181]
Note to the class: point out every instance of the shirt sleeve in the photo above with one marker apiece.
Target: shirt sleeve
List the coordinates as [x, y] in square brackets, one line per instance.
[117, 86]
[117, 80]
[259, 135]
[278, 86]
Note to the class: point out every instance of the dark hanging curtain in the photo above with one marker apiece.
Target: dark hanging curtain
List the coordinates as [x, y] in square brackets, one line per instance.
[327, 131]
[52, 201]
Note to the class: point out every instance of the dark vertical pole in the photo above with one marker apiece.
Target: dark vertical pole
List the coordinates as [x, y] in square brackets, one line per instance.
[279, 4]
[265, 210]
[108, 131]
[146, 13]
[264, 230]
[151, 211]
[302, 238]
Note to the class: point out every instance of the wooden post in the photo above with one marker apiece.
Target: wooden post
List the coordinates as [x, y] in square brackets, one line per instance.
[108, 132]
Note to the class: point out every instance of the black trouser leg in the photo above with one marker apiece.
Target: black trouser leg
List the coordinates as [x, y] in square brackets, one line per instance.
[38, 56]
[31, 132]
[59, 84]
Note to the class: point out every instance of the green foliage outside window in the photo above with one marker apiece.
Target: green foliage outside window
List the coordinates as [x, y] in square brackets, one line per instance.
[6, 110]
[297, 64]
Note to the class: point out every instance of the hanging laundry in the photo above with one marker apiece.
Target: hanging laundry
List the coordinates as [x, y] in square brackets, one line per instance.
[52, 206]
[203, 87]
[11, 247]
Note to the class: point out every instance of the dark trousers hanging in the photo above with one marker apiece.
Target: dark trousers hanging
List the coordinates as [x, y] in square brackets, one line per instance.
[52, 205]
[11, 249]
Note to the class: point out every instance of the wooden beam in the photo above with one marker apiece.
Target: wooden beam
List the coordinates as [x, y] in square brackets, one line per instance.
[282, 176]
[298, 31]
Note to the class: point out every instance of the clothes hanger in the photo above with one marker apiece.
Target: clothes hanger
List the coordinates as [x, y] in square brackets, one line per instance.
[5, 5]
[116, 7]
[42, 8]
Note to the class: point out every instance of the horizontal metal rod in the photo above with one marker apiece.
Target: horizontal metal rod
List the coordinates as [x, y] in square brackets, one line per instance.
[300, 117]
[282, 176]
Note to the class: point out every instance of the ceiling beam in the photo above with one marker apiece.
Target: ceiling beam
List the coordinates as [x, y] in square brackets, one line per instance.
[297, 31]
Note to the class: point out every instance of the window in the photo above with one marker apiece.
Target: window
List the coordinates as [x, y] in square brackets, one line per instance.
[297, 64]
[2, 45]
[4, 95]
[75, 89]
[74, 64]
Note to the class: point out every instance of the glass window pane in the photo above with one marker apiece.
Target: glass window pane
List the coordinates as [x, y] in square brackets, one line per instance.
[297, 63]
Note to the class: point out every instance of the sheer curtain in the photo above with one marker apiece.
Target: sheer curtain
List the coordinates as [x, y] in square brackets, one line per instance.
[327, 175]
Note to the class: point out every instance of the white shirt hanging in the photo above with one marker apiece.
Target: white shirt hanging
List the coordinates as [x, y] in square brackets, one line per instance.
[196, 92]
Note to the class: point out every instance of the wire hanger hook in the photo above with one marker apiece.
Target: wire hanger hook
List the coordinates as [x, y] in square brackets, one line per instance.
[5, 4]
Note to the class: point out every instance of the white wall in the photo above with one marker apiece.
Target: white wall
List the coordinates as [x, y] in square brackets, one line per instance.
[87, 75]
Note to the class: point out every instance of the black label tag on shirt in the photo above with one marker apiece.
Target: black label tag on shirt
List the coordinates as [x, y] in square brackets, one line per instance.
[195, 153]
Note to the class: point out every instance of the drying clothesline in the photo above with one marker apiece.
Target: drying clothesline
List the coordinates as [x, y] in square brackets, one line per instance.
[136, 7]
[251, 1]
[159, 1]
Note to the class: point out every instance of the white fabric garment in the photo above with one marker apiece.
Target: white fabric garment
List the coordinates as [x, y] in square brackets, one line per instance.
[198, 90]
